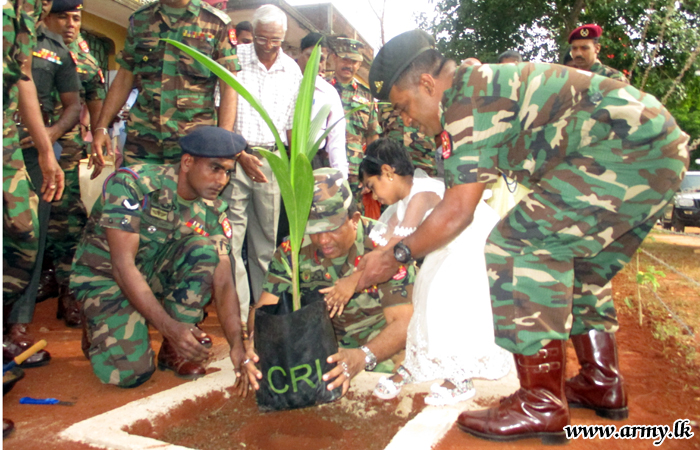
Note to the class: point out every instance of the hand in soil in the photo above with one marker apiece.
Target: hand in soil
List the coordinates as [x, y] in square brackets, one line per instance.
[183, 337]
[250, 373]
[354, 359]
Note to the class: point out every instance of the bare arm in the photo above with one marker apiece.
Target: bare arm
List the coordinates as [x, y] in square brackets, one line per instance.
[69, 115]
[253, 373]
[123, 248]
[116, 97]
[29, 109]
[228, 106]
[449, 218]
[386, 344]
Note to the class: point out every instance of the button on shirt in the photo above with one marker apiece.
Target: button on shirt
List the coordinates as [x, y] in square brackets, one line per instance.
[326, 94]
[276, 89]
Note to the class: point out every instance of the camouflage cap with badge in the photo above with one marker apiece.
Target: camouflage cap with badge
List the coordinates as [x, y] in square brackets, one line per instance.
[348, 48]
[394, 58]
[332, 198]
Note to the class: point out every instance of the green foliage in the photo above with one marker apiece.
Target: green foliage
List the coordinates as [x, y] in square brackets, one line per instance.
[649, 278]
[294, 173]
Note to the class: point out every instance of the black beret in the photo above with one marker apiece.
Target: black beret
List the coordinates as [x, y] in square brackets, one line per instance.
[394, 58]
[66, 5]
[213, 142]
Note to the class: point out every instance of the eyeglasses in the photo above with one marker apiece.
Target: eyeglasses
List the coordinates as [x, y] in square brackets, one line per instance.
[262, 40]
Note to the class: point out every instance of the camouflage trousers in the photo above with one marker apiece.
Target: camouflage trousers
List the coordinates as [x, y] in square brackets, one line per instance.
[551, 260]
[68, 215]
[138, 150]
[20, 225]
[180, 276]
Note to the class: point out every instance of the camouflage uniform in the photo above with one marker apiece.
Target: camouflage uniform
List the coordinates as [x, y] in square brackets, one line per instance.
[421, 148]
[20, 203]
[361, 125]
[607, 71]
[176, 93]
[68, 215]
[601, 158]
[180, 246]
[363, 317]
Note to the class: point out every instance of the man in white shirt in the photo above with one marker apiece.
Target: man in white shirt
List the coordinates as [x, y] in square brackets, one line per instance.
[332, 151]
[253, 195]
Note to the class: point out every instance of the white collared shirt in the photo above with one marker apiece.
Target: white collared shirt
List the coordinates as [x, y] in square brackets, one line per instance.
[325, 94]
[276, 89]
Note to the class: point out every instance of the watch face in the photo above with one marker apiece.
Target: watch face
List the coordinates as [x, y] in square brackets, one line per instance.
[400, 253]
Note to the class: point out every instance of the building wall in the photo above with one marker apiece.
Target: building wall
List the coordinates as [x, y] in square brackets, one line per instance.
[106, 29]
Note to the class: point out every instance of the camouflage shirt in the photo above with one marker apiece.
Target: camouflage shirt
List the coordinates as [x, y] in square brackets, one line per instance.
[523, 120]
[363, 317]
[421, 148]
[143, 199]
[360, 125]
[19, 19]
[176, 93]
[607, 71]
[92, 83]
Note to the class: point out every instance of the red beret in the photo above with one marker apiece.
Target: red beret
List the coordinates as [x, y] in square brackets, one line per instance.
[588, 31]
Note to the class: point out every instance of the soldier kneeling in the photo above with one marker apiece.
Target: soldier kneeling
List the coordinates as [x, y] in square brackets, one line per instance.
[155, 250]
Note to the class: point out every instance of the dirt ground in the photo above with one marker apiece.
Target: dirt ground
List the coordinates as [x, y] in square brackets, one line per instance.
[663, 382]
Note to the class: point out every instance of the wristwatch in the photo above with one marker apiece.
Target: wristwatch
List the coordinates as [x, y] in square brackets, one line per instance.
[402, 253]
[370, 359]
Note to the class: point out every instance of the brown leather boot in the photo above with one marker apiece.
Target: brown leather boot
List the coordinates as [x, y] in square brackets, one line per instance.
[68, 307]
[48, 286]
[16, 341]
[598, 385]
[183, 368]
[537, 410]
[7, 427]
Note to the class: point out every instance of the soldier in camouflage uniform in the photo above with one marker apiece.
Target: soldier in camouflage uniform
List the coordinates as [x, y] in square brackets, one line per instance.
[584, 52]
[20, 203]
[176, 93]
[602, 160]
[362, 126]
[172, 243]
[68, 216]
[421, 148]
[373, 325]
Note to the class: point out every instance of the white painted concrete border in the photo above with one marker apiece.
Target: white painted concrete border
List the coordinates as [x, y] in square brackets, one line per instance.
[421, 433]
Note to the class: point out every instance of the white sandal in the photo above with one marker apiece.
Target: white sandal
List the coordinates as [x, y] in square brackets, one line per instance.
[387, 389]
[442, 396]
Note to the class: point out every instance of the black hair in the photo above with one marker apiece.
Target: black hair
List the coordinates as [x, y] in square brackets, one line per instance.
[312, 39]
[512, 54]
[430, 61]
[244, 26]
[352, 209]
[385, 151]
[567, 57]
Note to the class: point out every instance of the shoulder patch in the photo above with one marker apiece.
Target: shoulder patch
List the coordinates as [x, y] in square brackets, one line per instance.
[225, 18]
[446, 141]
[226, 226]
[232, 37]
[84, 46]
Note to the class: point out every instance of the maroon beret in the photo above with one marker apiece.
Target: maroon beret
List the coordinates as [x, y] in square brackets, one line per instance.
[588, 31]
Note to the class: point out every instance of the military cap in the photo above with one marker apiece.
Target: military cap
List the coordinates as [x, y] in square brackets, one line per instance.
[212, 142]
[60, 6]
[348, 48]
[394, 58]
[588, 31]
[332, 198]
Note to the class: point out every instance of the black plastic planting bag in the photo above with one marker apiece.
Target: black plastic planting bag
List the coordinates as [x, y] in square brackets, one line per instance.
[293, 348]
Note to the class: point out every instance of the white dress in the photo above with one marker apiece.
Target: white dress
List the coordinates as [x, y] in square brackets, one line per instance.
[450, 335]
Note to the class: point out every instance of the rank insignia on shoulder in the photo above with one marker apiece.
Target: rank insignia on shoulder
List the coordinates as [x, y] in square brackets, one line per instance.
[102, 76]
[226, 226]
[75, 60]
[232, 37]
[446, 141]
[286, 246]
[84, 46]
[129, 206]
[354, 84]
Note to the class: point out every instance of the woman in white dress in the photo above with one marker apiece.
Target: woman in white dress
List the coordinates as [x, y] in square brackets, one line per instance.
[450, 336]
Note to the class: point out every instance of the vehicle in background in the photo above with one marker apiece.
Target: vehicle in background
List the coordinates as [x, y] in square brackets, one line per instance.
[684, 210]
